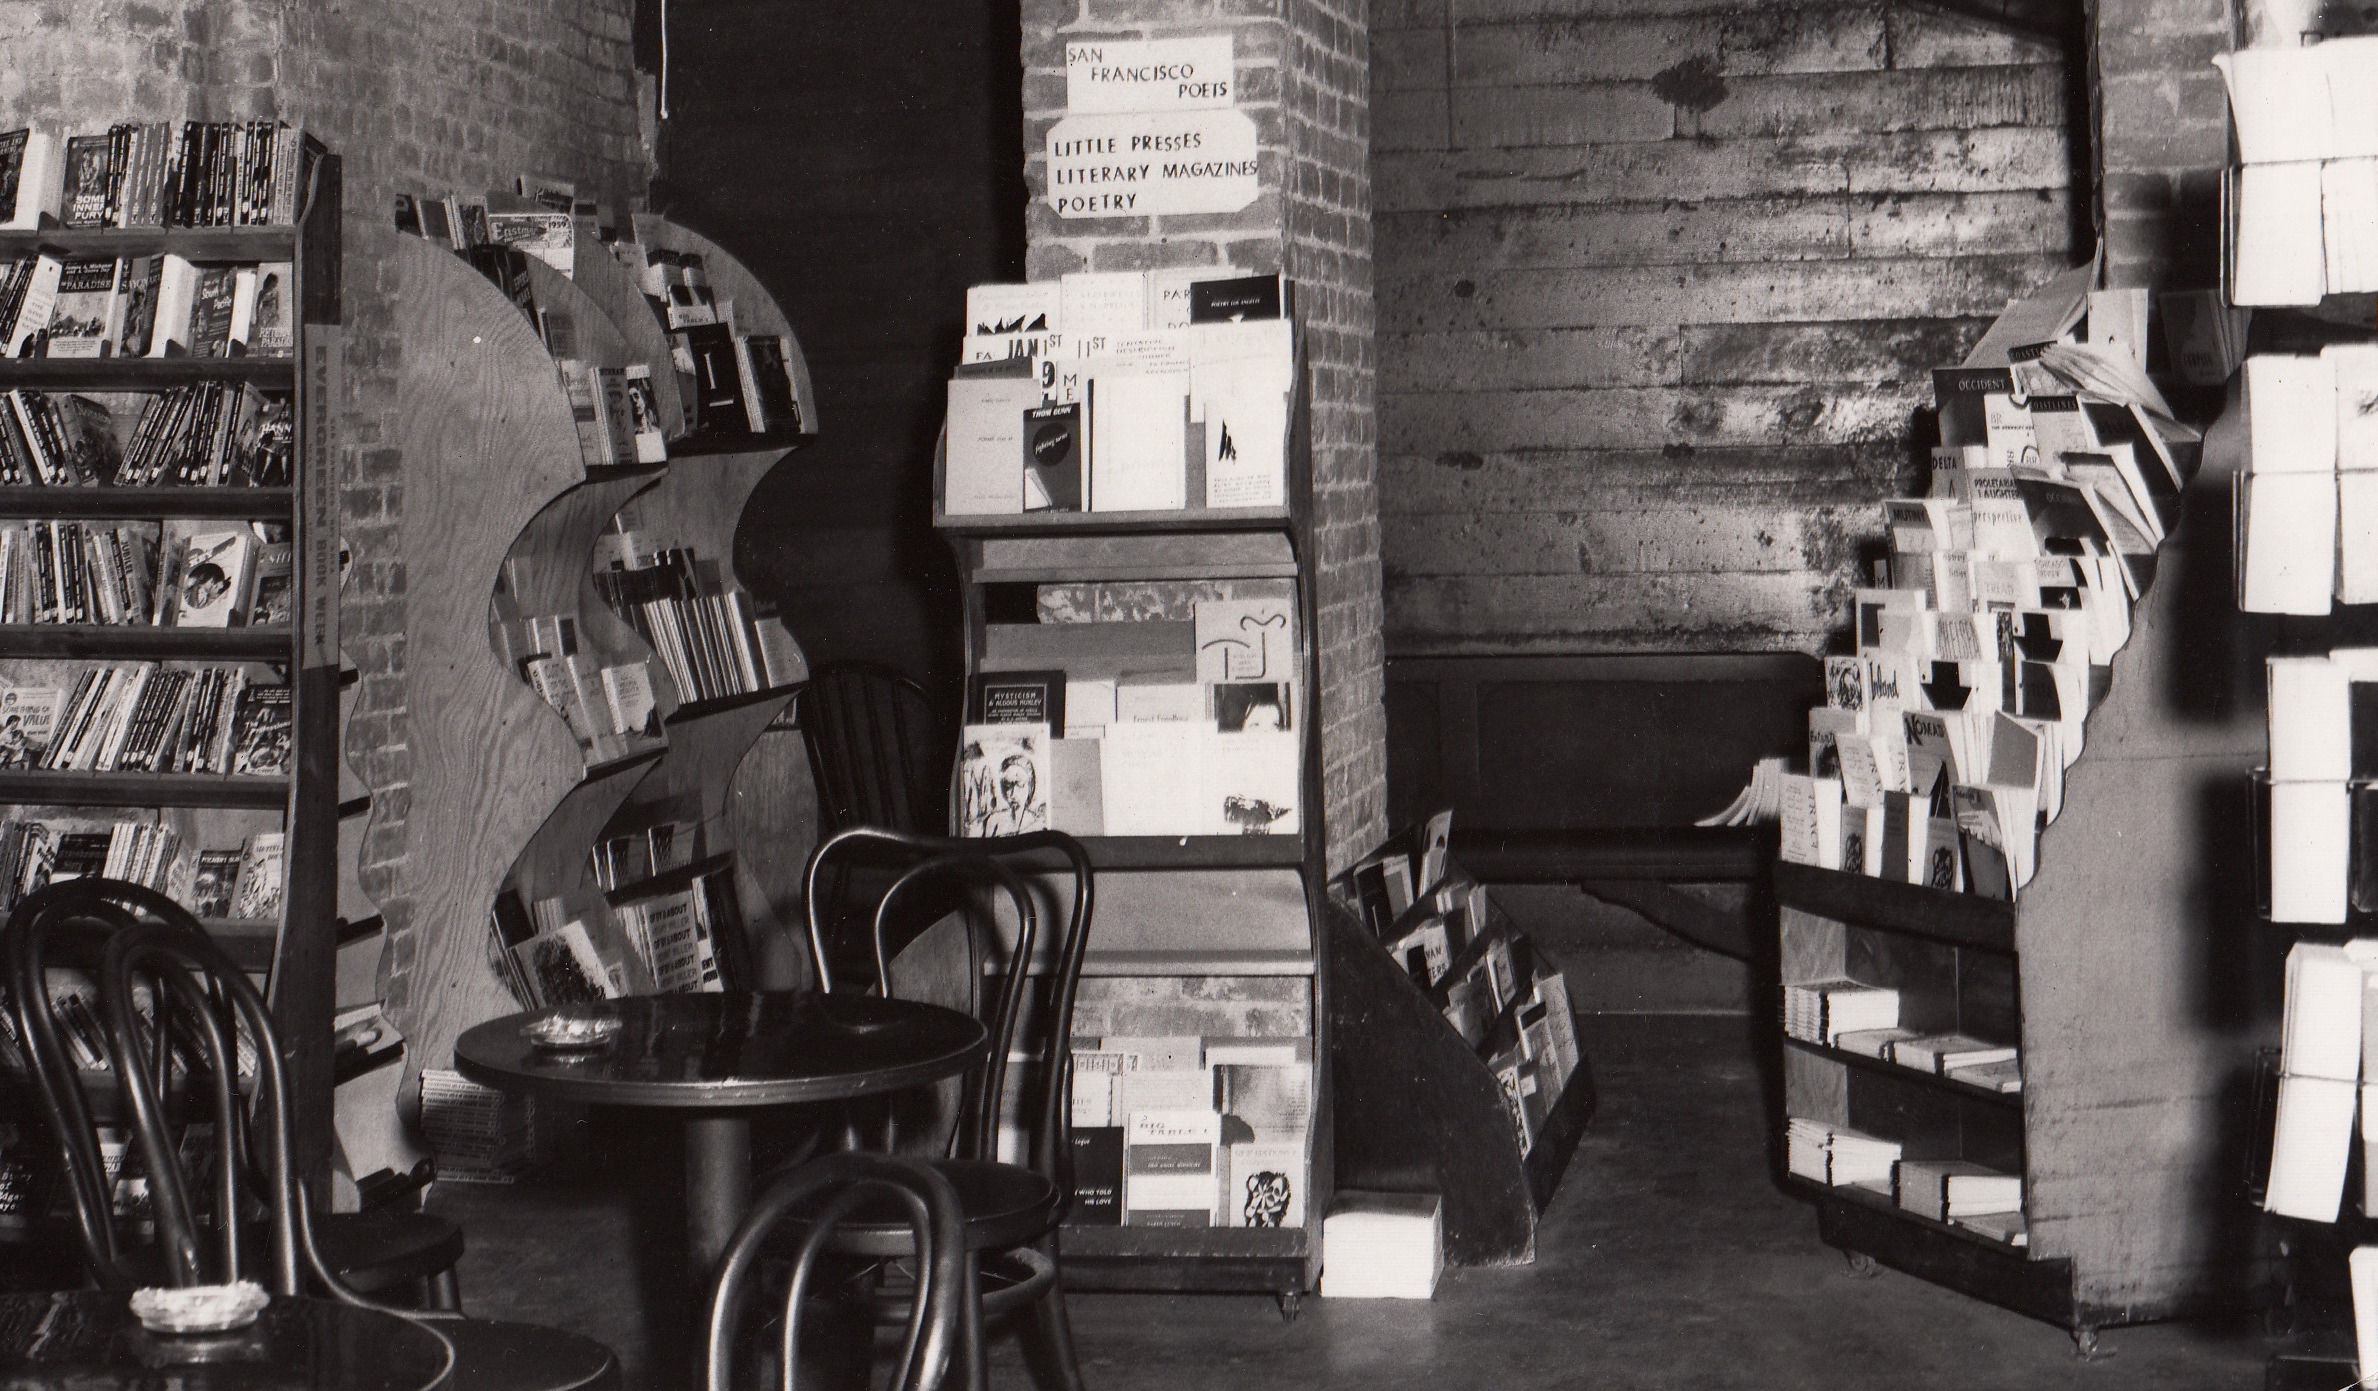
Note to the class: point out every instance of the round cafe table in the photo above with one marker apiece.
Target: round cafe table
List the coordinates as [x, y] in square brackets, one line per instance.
[713, 1058]
[89, 1340]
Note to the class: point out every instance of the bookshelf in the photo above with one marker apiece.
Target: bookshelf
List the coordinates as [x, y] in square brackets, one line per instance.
[1175, 908]
[294, 949]
[503, 522]
[2104, 974]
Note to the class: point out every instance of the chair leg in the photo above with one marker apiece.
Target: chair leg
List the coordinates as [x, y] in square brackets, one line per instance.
[1052, 1330]
[970, 1328]
[445, 1291]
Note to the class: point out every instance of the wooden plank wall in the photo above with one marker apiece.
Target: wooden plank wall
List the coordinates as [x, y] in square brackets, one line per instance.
[1659, 285]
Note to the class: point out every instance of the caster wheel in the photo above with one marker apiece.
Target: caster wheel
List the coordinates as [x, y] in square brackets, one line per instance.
[1862, 1266]
[1292, 1303]
[2085, 1346]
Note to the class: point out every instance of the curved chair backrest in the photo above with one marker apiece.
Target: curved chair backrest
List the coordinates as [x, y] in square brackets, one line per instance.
[1051, 1147]
[936, 1219]
[874, 747]
[69, 924]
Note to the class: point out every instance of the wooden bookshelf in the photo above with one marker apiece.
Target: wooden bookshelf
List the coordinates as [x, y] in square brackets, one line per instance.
[1203, 906]
[293, 950]
[2104, 974]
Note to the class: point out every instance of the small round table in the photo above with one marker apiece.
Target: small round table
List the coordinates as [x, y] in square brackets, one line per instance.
[714, 1057]
[89, 1339]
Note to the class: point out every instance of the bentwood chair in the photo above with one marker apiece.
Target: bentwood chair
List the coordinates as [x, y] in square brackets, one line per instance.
[201, 1001]
[1012, 1210]
[875, 748]
[68, 925]
[826, 1192]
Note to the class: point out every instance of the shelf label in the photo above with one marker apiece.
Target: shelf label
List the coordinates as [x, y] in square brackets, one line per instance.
[1152, 164]
[318, 523]
[1149, 74]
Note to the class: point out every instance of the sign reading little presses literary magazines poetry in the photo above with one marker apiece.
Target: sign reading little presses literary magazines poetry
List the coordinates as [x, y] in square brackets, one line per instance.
[1150, 131]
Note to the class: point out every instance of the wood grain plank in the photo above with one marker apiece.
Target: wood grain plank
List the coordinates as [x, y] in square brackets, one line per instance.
[488, 440]
[1992, 159]
[1809, 292]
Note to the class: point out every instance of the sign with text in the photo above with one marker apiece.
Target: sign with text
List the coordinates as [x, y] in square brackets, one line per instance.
[1152, 164]
[1110, 75]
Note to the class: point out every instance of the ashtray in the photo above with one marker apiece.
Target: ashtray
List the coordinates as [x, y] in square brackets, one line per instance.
[570, 1032]
[199, 1308]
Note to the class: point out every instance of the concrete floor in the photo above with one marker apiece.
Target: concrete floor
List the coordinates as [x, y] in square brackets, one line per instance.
[1669, 1259]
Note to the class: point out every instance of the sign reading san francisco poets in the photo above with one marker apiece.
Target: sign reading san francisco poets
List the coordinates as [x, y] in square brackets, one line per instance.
[1109, 75]
[1152, 164]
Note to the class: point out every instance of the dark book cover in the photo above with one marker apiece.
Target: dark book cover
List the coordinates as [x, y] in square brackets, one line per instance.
[261, 732]
[718, 379]
[1227, 301]
[1053, 458]
[772, 381]
[1017, 697]
[88, 162]
[12, 168]
[1097, 1176]
[89, 438]
[210, 312]
[408, 215]
[140, 304]
[213, 882]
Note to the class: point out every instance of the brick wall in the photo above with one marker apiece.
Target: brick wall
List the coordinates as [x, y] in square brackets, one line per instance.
[2163, 136]
[1303, 78]
[415, 96]
[1661, 284]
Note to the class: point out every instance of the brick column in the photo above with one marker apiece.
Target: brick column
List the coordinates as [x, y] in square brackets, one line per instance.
[2162, 138]
[1304, 79]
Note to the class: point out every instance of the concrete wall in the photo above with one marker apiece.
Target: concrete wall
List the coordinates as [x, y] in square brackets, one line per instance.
[861, 159]
[1660, 284]
[416, 96]
[1304, 79]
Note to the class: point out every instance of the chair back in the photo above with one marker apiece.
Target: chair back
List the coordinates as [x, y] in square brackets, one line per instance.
[997, 861]
[826, 1191]
[68, 926]
[875, 748]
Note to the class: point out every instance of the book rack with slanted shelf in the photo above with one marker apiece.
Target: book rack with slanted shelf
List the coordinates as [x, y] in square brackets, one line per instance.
[512, 794]
[1213, 916]
[2097, 974]
[204, 818]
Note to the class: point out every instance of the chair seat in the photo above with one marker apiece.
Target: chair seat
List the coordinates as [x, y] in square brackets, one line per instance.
[492, 1355]
[1006, 1205]
[388, 1246]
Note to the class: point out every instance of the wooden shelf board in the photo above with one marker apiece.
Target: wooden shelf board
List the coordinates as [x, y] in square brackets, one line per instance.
[1191, 961]
[719, 705]
[268, 504]
[143, 373]
[1934, 1080]
[697, 446]
[247, 941]
[603, 473]
[1958, 919]
[1194, 1243]
[597, 771]
[1079, 574]
[41, 788]
[1093, 523]
[140, 641]
[274, 243]
[1195, 852]
[1882, 1203]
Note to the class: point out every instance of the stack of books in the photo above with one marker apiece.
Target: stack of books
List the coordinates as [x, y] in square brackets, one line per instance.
[146, 174]
[1383, 1246]
[1822, 1012]
[574, 948]
[1838, 1156]
[210, 434]
[151, 306]
[1955, 1190]
[149, 717]
[481, 1135]
[610, 709]
[1191, 1132]
[1121, 392]
[1179, 716]
[713, 640]
[2323, 757]
[2307, 498]
[243, 881]
[2324, 1036]
[1941, 749]
[739, 382]
[617, 415]
[2300, 210]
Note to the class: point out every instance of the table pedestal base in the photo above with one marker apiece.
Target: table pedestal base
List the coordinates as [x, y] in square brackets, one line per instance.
[717, 1187]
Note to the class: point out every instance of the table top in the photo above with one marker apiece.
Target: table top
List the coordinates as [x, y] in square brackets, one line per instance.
[739, 1048]
[89, 1340]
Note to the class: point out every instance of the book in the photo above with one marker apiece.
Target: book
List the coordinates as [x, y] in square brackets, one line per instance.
[1002, 310]
[563, 968]
[177, 292]
[272, 328]
[214, 578]
[1055, 478]
[1097, 1173]
[986, 442]
[28, 720]
[262, 732]
[213, 299]
[1016, 697]
[1383, 1245]
[549, 236]
[764, 362]
[86, 315]
[1137, 430]
[214, 882]
[31, 178]
[261, 869]
[1170, 1174]
[1003, 779]
[643, 414]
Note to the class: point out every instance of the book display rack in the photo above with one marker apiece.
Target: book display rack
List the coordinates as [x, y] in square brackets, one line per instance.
[1088, 635]
[589, 672]
[169, 564]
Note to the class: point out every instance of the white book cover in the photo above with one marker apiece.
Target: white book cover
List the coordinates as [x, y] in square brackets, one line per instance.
[2311, 720]
[1003, 779]
[34, 304]
[1246, 640]
[2349, 224]
[1008, 310]
[2279, 103]
[1091, 303]
[1149, 780]
[177, 288]
[1265, 1186]
[2290, 542]
[2309, 1148]
[2276, 254]
[983, 472]
[2322, 1031]
[1250, 783]
[1138, 458]
[2311, 851]
[2362, 1269]
[2291, 413]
